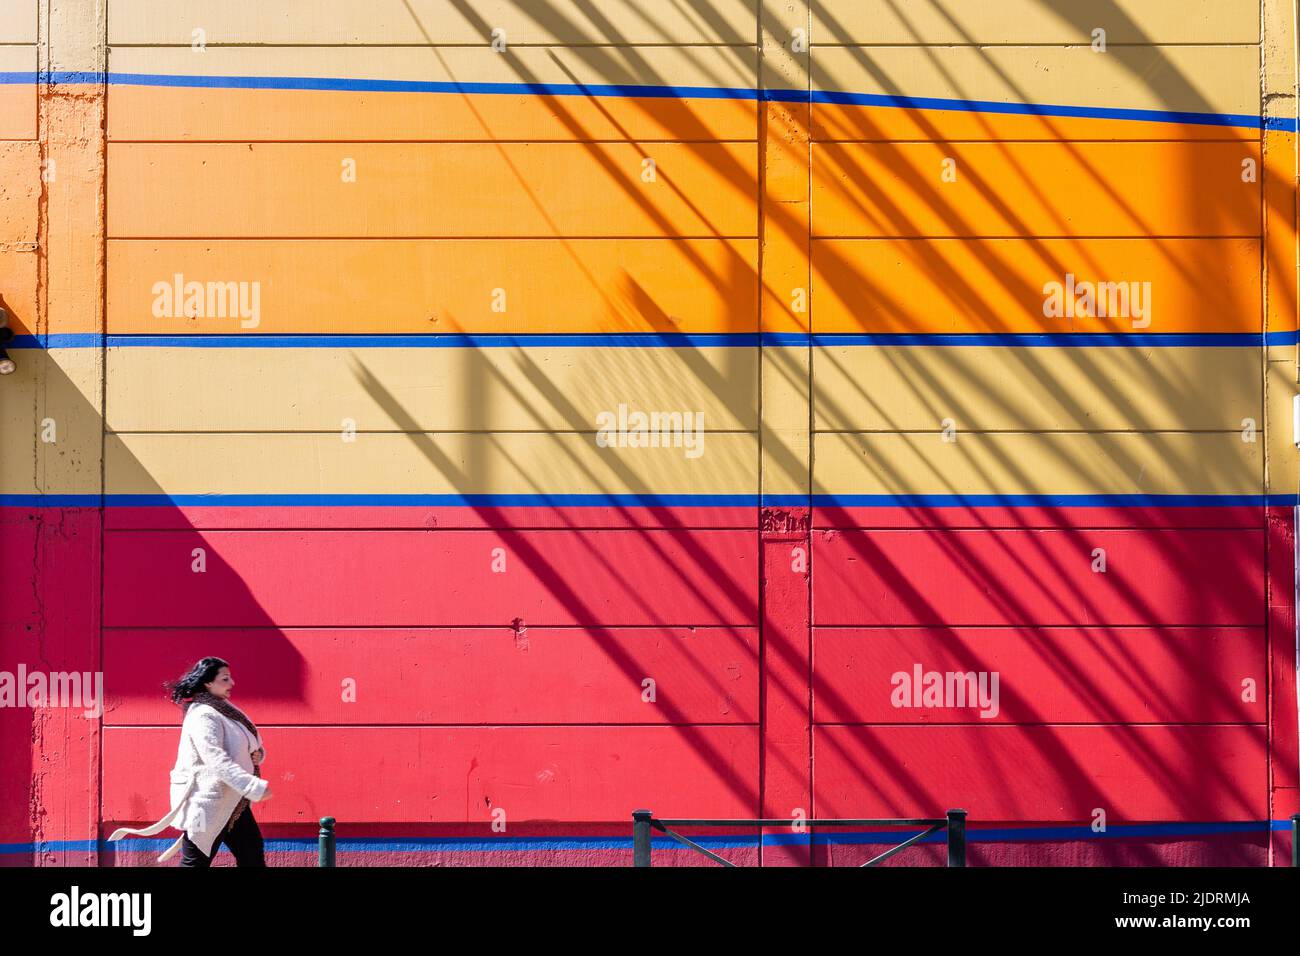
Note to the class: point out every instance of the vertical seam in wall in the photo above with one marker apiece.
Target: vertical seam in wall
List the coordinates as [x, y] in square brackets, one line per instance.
[103, 408]
[760, 143]
[1266, 475]
[42, 319]
[812, 442]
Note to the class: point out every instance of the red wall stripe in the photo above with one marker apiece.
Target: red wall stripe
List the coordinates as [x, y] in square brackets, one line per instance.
[448, 676]
[938, 577]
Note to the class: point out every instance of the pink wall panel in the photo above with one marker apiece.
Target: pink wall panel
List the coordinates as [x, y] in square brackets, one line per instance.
[448, 675]
[1043, 773]
[1036, 516]
[413, 578]
[459, 775]
[1046, 675]
[945, 577]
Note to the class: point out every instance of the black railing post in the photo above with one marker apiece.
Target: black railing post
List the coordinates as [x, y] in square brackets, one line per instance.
[325, 857]
[1295, 840]
[641, 837]
[956, 837]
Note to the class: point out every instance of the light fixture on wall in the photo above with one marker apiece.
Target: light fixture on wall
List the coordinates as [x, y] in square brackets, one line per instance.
[6, 336]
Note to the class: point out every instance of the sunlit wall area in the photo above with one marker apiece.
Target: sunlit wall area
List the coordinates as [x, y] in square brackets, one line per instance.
[856, 408]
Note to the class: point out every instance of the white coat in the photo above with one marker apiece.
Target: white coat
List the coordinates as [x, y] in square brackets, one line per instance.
[214, 770]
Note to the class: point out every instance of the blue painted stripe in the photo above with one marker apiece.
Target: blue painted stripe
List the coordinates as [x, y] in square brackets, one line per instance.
[57, 340]
[640, 340]
[645, 340]
[1229, 120]
[1041, 340]
[50, 501]
[308, 500]
[975, 834]
[1048, 501]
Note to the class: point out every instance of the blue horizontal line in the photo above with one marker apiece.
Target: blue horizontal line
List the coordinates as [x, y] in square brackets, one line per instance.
[1046, 339]
[659, 340]
[974, 834]
[1017, 834]
[1049, 501]
[643, 340]
[1241, 120]
[217, 499]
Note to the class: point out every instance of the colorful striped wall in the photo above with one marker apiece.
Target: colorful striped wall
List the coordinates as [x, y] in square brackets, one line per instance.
[320, 318]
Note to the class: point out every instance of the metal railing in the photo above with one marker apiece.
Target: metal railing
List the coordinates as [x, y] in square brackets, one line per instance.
[643, 822]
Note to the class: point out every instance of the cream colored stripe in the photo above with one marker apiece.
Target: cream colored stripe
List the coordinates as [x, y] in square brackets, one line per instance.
[653, 66]
[18, 21]
[1035, 21]
[1020, 463]
[395, 389]
[884, 388]
[434, 21]
[512, 463]
[1198, 79]
[50, 426]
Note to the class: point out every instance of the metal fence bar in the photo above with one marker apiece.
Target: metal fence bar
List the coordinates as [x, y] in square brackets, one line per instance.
[695, 846]
[325, 850]
[956, 837]
[641, 837]
[903, 846]
[643, 821]
[811, 823]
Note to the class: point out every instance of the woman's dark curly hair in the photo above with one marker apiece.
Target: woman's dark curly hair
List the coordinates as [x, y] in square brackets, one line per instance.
[191, 683]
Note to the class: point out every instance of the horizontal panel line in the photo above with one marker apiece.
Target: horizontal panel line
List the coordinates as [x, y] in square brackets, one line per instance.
[542, 624]
[1024, 624]
[485, 45]
[1080, 44]
[487, 725]
[1040, 723]
[650, 91]
[1033, 627]
[676, 237]
[514, 528]
[653, 500]
[607, 43]
[489, 431]
[985, 431]
[826, 340]
[187, 141]
[495, 628]
[1002, 141]
[1149, 237]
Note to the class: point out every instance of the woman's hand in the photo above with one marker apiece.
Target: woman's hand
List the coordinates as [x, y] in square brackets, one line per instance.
[266, 794]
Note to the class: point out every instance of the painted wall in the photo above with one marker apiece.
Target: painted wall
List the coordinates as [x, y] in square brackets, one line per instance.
[321, 309]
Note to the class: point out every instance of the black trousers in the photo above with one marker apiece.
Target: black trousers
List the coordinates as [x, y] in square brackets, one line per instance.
[244, 840]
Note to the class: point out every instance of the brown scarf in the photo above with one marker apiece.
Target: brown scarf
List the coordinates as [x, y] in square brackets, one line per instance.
[227, 709]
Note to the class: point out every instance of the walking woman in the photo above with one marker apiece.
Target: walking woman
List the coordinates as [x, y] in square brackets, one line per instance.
[216, 775]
